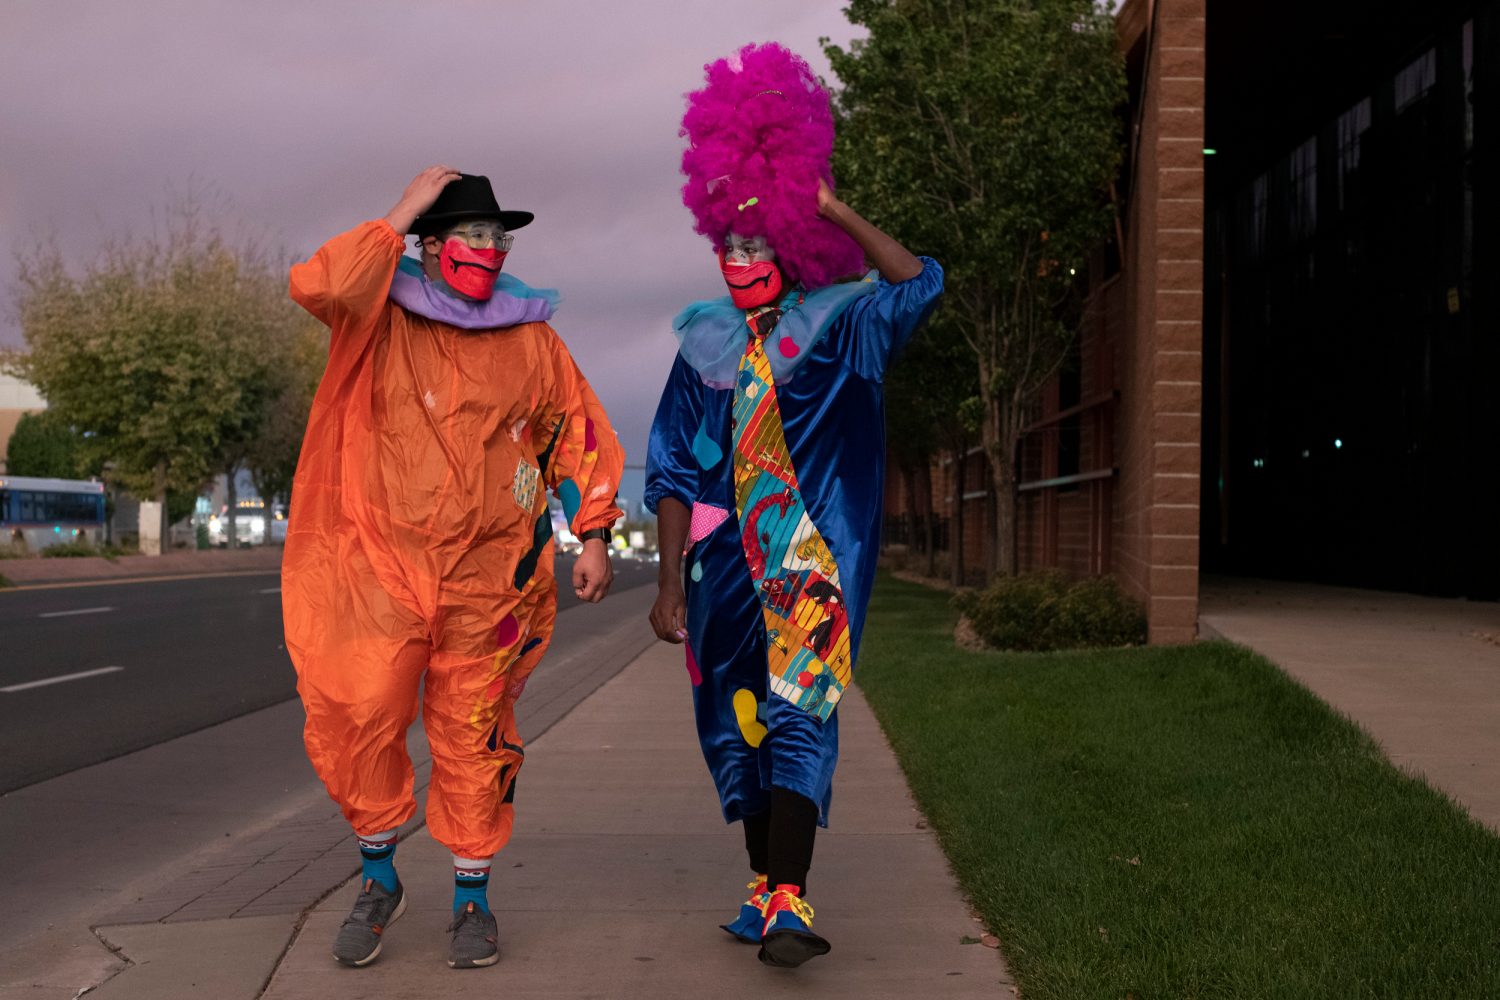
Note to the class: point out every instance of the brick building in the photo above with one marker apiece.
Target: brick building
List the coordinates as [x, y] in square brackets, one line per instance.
[1284, 362]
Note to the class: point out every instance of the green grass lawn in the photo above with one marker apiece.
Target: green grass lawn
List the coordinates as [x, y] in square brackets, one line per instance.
[1178, 822]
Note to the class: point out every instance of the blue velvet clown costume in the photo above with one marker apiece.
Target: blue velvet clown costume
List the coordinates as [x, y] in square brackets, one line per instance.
[833, 347]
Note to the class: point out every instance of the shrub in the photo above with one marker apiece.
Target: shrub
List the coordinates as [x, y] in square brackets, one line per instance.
[1096, 613]
[1015, 612]
[69, 550]
[1044, 611]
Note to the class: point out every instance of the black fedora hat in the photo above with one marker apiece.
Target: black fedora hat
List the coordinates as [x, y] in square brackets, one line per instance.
[468, 197]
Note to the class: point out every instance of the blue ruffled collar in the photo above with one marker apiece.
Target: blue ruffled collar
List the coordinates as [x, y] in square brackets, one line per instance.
[711, 334]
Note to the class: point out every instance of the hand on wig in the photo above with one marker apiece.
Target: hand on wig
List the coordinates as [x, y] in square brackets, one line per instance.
[828, 203]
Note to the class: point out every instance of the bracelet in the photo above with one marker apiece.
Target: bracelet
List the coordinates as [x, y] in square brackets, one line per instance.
[603, 534]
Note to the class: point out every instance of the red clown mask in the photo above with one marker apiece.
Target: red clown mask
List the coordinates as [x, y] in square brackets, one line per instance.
[468, 271]
[751, 285]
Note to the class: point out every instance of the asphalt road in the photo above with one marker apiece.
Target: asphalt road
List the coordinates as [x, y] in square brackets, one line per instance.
[88, 673]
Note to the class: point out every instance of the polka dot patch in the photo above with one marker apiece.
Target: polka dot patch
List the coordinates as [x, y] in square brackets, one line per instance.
[567, 492]
[705, 449]
[508, 631]
[746, 708]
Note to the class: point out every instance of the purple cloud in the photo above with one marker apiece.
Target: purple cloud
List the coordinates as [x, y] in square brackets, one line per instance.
[306, 119]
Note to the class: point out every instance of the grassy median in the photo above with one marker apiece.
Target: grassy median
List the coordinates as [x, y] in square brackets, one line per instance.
[1178, 822]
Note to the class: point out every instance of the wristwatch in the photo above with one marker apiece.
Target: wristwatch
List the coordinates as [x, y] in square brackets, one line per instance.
[603, 534]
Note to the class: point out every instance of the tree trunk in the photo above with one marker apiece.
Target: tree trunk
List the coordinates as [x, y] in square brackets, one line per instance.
[956, 526]
[164, 520]
[231, 532]
[1001, 416]
[929, 519]
[1007, 559]
[909, 482]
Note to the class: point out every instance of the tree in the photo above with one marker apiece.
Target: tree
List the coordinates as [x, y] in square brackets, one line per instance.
[929, 393]
[272, 455]
[985, 132]
[43, 445]
[157, 352]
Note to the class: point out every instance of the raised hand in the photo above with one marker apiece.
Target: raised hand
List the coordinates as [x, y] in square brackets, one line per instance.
[419, 196]
[893, 260]
[828, 202]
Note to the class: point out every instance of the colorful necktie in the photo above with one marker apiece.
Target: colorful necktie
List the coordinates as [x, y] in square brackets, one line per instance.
[807, 625]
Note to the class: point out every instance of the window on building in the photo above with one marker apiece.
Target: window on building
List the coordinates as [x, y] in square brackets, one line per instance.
[1256, 231]
[1468, 84]
[1302, 189]
[1070, 429]
[1349, 130]
[1413, 82]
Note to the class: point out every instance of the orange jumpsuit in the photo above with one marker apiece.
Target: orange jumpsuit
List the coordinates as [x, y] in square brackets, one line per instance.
[418, 553]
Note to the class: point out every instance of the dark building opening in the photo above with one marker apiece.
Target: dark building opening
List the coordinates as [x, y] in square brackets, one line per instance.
[1351, 350]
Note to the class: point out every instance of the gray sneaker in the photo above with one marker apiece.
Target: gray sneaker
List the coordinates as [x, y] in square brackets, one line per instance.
[474, 936]
[376, 909]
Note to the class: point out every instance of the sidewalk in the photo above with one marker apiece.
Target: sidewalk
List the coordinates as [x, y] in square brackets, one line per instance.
[1420, 674]
[186, 867]
[622, 868]
[187, 562]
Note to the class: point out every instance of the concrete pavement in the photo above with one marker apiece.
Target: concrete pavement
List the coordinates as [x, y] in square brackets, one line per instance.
[1420, 674]
[622, 868]
[186, 856]
[613, 887]
[36, 571]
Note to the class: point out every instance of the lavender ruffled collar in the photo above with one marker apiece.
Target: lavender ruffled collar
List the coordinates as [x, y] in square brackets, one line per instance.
[514, 301]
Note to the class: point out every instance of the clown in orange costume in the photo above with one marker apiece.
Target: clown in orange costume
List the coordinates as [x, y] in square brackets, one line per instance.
[418, 557]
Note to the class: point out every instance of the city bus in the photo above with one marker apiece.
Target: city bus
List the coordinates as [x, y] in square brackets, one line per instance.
[45, 512]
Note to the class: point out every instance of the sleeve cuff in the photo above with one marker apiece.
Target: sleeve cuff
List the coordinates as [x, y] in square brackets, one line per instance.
[656, 495]
[388, 231]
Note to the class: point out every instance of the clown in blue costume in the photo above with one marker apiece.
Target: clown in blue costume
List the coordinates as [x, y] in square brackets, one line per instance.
[766, 467]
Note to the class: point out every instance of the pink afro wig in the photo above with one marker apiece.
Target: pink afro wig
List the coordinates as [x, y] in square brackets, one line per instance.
[760, 134]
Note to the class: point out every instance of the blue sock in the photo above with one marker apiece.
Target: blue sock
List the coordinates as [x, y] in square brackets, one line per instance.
[471, 884]
[378, 855]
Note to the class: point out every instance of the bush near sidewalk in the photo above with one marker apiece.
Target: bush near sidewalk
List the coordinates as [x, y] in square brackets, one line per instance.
[77, 550]
[1178, 822]
[69, 550]
[1045, 610]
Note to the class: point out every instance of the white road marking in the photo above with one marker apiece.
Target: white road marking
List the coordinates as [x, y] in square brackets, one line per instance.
[59, 680]
[76, 611]
[271, 590]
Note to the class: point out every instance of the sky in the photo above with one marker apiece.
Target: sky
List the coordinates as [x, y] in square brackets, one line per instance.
[298, 120]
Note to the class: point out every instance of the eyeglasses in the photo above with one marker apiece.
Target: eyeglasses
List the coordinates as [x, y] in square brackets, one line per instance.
[479, 235]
